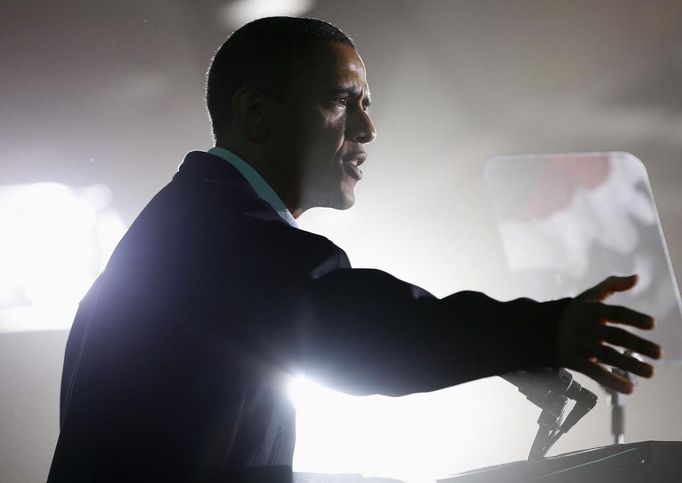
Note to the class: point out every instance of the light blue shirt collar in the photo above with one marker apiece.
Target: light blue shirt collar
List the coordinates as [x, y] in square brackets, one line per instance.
[259, 185]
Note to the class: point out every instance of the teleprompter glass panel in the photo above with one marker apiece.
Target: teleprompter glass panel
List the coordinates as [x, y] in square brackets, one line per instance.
[567, 221]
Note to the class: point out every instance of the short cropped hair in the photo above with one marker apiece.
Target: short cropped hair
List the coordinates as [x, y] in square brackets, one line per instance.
[261, 54]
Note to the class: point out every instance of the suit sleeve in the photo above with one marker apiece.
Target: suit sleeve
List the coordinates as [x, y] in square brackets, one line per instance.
[364, 332]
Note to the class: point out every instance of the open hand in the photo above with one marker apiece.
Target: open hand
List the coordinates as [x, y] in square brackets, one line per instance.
[585, 327]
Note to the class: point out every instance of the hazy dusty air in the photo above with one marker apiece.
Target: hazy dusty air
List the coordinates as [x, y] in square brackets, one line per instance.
[101, 101]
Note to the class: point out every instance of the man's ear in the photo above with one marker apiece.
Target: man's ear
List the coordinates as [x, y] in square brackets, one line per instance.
[248, 112]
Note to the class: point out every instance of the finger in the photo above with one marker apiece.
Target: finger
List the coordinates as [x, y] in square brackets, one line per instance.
[623, 338]
[624, 315]
[609, 355]
[604, 377]
[609, 286]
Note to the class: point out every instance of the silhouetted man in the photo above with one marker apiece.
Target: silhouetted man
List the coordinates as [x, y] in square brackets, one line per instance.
[176, 363]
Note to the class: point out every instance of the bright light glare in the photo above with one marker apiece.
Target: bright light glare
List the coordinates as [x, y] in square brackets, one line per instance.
[417, 438]
[55, 242]
[237, 13]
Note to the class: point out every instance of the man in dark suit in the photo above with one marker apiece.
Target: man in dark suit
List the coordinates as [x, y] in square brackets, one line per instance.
[177, 360]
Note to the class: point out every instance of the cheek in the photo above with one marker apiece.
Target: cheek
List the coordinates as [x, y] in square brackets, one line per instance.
[321, 133]
[331, 133]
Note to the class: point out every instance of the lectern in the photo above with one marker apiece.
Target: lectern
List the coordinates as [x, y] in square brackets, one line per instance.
[643, 462]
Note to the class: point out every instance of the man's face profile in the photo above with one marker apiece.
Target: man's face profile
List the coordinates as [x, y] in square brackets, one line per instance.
[322, 123]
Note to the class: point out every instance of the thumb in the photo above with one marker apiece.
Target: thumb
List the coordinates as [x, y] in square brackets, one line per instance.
[609, 286]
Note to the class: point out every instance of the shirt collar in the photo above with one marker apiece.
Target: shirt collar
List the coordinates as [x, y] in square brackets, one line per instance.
[259, 185]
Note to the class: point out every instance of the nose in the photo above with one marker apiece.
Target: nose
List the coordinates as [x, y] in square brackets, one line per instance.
[361, 128]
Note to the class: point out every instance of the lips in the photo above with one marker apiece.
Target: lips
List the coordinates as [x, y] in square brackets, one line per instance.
[351, 170]
[350, 164]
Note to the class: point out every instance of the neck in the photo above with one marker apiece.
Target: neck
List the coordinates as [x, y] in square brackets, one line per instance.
[283, 181]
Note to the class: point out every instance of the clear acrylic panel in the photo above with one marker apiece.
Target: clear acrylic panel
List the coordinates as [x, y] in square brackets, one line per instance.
[567, 221]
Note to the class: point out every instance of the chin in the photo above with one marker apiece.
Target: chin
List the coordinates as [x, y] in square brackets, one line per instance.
[339, 200]
[338, 194]
[345, 194]
[345, 199]
[347, 203]
[338, 203]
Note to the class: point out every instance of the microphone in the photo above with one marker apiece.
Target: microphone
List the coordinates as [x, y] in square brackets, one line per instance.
[542, 385]
[549, 389]
[585, 400]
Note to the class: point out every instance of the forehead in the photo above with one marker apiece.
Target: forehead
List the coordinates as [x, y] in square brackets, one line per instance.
[333, 64]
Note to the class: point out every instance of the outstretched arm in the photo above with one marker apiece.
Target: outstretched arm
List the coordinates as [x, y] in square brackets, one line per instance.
[366, 332]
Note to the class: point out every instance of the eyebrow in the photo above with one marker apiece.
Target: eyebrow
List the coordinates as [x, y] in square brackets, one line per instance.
[352, 91]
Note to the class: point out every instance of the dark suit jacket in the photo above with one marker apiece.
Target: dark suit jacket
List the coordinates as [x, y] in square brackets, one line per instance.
[176, 361]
